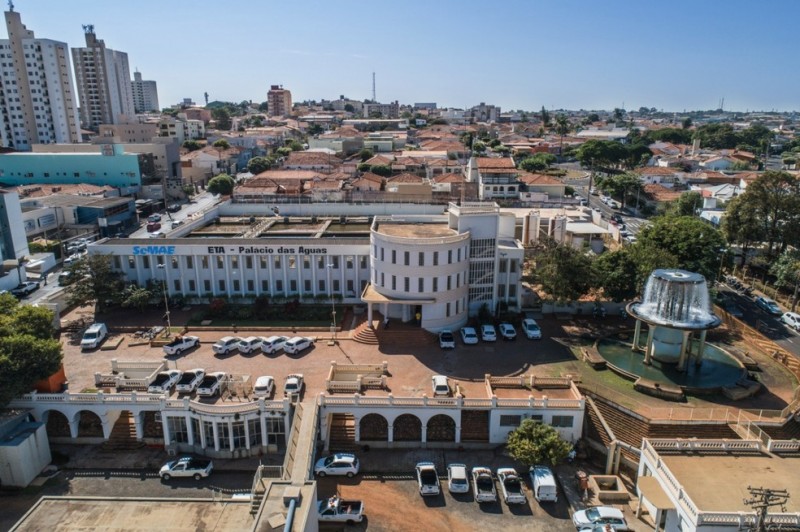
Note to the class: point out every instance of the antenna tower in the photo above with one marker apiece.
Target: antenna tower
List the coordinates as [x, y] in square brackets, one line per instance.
[374, 99]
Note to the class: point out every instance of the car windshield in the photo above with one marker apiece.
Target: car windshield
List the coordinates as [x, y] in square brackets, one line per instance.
[447, 336]
[329, 460]
[533, 327]
[593, 514]
[459, 481]
[90, 336]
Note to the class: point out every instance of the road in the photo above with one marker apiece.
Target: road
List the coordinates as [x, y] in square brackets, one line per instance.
[632, 223]
[199, 203]
[123, 483]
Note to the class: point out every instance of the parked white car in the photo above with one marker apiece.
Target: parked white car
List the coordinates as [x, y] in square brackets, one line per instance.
[190, 380]
[293, 385]
[447, 340]
[296, 345]
[273, 344]
[488, 333]
[181, 344]
[250, 344]
[792, 319]
[337, 464]
[507, 331]
[212, 384]
[94, 336]
[600, 515]
[225, 345]
[440, 386]
[264, 386]
[531, 329]
[469, 336]
[164, 381]
[457, 479]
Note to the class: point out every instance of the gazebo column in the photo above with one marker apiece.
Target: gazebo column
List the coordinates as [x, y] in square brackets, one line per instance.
[648, 349]
[636, 333]
[701, 346]
[369, 314]
[684, 354]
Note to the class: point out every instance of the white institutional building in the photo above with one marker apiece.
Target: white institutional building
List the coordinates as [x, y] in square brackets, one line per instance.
[39, 105]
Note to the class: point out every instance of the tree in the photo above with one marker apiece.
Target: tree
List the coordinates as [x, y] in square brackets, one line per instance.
[687, 204]
[366, 154]
[383, 170]
[256, 165]
[786, 270]
[601, 153]
[295, 146]
[192, 145]
[136, 297]
[97, 282]
[349, 108]
[534, 443]
[545, 117]
[315, 129]
[565, 273]
[284, 151]
[620, 185]
[686, 123]
[693, 242]
[532, 164]
[615, 272]
[34, 321]
[222, 118]
[647, 258]
[189, 190]
[221, 184]
[478, 148]
[25, 359]
[563, 127]
[592, 118]
[222, 145]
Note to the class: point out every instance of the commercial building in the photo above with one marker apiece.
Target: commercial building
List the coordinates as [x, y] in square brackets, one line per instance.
[13, 243]
[145, 94]
[181, 128]
[39, 104]
[126, 133]
[104, 216]
[382, 110]
[103, 80]
[279, 101]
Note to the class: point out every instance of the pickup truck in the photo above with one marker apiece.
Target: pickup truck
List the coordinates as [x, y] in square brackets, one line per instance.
[211, 384]
[511, 486]
[190, 380]
[196, 468]
[164, 381]
[293, 385]
[26, 288]
[427, 479]
[338, 510]
[483, 484]
[181, 344]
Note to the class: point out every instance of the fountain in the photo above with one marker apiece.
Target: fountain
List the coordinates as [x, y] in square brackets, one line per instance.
[677, 311]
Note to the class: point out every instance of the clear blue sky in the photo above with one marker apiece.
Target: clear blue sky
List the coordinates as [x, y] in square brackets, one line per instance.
[590, 54]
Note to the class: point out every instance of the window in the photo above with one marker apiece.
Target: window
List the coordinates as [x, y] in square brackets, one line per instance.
[131, 262]
[293, 286]
[207, 285]
[363, 262]
[421, 258]
[265, 286]
[239, 437]
[306, 262]
[562, 421]
[254, 428]
[383, 279]
[510, 421]
[146, 261]
[248, 262]
[382, 255]
[196, 430]
[307, 285]
[236, 285]
[394, 282]
[192, 285]
[276, 428]
[435, 258]
[421, 285]
[407, 284]
[335, 262]
[222, 285]
[204, 262]
[435, 284]
[449, 256]
[208, 430]
[321, 283]
[174, 261]
[262, 263]
[234, 262]
[350, 286]
[224, 433]
[177, 284]
[250, 285]
[220, 262]
[177, 429]
[190, 262]
[407, 258]
[513, 267]
[337, 288]
[449, 282]
[277, 264]
[348, 262]
[278, 285]
[447, 313]
[394, 256]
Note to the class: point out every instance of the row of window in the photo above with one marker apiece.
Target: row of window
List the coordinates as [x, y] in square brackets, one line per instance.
[432, 284]
[263, 262]
[227, 434]
[250, 284]
[420, 256]
[516, 420]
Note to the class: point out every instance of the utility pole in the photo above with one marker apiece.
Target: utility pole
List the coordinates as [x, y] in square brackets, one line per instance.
[761, 500]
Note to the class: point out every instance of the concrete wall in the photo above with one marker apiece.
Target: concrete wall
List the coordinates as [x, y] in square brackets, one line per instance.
[57, 168]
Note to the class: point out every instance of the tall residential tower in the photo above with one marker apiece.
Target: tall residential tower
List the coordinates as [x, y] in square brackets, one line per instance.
[145, 94]
[103, 80]
[37, 102]
[279, 101]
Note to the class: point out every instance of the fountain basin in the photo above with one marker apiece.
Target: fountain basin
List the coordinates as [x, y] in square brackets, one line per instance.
[676, 299]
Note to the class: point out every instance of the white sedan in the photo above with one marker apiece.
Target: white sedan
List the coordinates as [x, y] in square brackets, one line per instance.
[792, 319]
[457, 479]
[338, 464]
[469, 336]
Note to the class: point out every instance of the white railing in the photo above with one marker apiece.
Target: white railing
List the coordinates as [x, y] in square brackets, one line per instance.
[713, 445]
[449, 402]
[785, 446]
[378, 369]
[742, 519]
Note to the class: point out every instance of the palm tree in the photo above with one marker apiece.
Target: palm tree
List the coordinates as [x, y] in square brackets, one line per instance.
[563, 127]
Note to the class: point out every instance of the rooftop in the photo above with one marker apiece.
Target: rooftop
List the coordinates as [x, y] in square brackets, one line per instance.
[414, 230]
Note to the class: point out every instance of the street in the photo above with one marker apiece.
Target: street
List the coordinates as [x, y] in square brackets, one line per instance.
[198, 203]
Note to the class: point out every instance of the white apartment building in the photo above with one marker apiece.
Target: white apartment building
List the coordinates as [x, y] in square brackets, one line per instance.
[103, 80]
[145, 94]
[39, 104]
[181, 128]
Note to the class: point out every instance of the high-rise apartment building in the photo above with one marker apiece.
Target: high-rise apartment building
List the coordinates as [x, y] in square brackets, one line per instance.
[145, 94]
[103, 79]
[279, 101]
[37, 102]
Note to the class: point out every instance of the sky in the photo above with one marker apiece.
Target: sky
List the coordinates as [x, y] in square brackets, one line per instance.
[560, 54]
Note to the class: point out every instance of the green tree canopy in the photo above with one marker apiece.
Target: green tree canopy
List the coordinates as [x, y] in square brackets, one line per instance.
[383, 170]
[256, 165]
[295, 146]
[137, 297]
[97, 283]
[616, 274]
[192, 145]
[222, 117]
[649, 257]
[284, 151]
[222, 145]
[366, 154]
[221, 184]
[687, 204]
[537, 162]
[536, 443]
[693, 242]
[565, 273]
[601, 153]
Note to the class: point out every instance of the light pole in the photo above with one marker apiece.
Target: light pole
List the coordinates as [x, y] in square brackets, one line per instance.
[722, 252]
[166, 299]
[333, 304]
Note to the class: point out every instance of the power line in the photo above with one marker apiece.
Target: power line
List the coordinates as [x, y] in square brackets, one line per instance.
[761, 500]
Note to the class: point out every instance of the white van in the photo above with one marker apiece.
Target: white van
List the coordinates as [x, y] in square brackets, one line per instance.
[94, 336]
[440, 386]
[544, 484]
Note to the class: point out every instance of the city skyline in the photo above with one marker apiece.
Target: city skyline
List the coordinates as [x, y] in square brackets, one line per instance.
[572, 54]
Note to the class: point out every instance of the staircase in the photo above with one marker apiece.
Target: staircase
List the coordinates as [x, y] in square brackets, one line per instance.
[396, 334]
[123, 435]
[342, 433]
[788, 431]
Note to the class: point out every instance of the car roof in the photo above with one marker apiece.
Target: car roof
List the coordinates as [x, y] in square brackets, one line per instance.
[487, 326]
[264, 380]
[273, 338]
[294, 339]
[228, 339]
[608, 511]
[458, 470]
[348, 457]
[468, 329]
[439, 379]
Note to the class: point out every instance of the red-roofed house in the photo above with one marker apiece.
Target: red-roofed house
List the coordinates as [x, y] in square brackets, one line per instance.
[539, 184]
[496, 177]
[310, 160]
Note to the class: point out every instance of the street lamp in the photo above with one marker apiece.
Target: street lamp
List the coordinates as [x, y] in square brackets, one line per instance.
[333, 304]
[722, 252]
[166, 299]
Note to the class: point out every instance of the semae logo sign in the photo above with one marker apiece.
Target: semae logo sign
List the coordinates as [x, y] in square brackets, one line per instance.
[153, 250]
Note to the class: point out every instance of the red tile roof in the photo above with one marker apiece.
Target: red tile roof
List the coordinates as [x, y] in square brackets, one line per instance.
[487, 163]
[538, 179]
